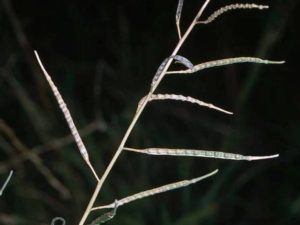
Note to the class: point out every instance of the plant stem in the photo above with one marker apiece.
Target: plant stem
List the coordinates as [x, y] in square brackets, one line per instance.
[136, 117]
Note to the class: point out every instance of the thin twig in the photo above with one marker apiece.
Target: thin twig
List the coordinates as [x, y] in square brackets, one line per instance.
[35, 159]
[56, 143]
[33, 111]
[25, 46]
[6, 182]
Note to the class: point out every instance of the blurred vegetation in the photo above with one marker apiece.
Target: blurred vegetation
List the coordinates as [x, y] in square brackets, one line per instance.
[102, 56]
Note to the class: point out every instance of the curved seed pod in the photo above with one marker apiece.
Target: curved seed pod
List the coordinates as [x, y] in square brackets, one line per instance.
[67, 115]
[184, 61]
[180, 59]
[159, 71]
[182, 98]
[157, 190]
[106, 216]
[198, 153]
[227, 8]
[224, 62]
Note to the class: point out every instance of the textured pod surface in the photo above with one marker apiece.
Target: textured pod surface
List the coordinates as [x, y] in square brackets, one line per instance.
[179, 10]
[198, 153]
[159, 72]
[66, 112]
[175, 97]
[157, 190]
[178, 16]
[68, 117]
[184, 61]
[180, 59]
[164, 188]
[227, 8]
[224, 62]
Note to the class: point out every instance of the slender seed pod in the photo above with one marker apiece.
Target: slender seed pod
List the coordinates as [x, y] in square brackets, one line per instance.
[198, 153]
[227, 8]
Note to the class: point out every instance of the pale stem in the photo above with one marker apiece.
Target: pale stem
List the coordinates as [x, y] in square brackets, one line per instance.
[135, 119]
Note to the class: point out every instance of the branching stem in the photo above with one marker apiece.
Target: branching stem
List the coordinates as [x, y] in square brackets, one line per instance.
[137, 115]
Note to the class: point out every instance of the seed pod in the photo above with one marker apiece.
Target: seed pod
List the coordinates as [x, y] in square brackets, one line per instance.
[184, 61]
[198, 153]
[224, 62]
[227, 8]
[181, 98]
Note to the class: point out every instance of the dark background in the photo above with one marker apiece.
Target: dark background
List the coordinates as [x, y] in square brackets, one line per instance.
[102, 56]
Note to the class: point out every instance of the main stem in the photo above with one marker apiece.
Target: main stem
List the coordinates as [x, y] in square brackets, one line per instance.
[137, 116]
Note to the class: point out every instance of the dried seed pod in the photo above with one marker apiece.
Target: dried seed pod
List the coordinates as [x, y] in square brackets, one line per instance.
[159, 72]
[224, 62]
[161, 67]
[178, 16]
[179, 10]
[157, 190]
[181, 98]
[164, 188]
[106, 216]
[227, 8]
[198, 153]
[184, 61]
[68, 117]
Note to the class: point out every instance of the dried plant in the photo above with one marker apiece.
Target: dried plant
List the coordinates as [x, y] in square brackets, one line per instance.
[161, 72]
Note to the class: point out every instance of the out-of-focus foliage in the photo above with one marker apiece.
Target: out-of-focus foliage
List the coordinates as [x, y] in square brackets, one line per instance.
[102, 56]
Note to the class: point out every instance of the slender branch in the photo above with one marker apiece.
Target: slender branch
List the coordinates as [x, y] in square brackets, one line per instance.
[6, 182]
[56, 143]
[35, 159]
[137, 115]
[25, 46]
